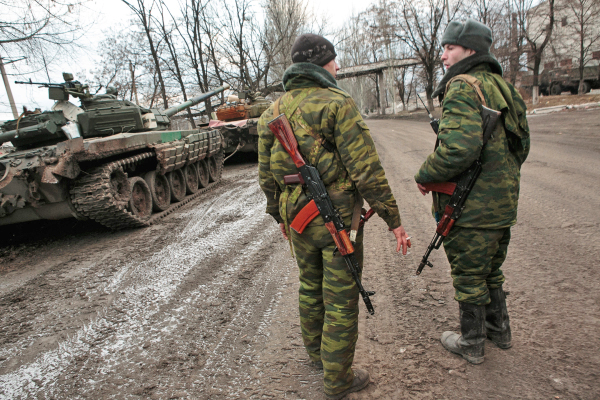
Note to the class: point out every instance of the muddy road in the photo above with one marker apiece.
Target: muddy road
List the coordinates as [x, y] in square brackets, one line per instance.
[203, 305]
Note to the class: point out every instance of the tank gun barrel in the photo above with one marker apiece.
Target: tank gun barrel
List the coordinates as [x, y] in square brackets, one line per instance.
[192, 102]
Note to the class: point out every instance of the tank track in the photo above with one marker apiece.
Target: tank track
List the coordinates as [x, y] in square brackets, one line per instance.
[93, 197]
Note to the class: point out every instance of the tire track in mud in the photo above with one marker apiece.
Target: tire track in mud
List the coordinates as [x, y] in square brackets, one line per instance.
[184, 306]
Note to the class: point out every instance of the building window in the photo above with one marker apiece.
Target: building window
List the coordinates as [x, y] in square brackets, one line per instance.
[566, 62]
[564, 21]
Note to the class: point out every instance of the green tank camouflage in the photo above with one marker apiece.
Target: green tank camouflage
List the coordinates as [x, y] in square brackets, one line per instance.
[328, 304]
[476, 256]
[494, 199]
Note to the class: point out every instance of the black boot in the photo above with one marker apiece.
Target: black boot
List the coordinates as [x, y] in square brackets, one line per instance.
[496, 319]
[470, 343]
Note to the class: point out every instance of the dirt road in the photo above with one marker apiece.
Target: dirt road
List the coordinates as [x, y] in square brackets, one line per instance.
[204, 304]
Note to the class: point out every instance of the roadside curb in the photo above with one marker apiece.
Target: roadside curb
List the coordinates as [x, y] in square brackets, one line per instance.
[548, 110]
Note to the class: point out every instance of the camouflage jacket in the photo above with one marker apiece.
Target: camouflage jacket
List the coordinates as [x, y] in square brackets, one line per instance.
[492, 204]
[332, 137]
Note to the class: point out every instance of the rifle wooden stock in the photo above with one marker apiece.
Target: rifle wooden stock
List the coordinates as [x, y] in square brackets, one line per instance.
[280, 126]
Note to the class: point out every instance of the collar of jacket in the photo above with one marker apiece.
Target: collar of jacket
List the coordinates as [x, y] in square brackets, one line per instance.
[303, 75]
[464, 66]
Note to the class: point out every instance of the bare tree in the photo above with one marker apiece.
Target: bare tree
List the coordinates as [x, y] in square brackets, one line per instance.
[144, 15]
[124, 65]
[420, 28]
[285, 20]
[538, 31]
[38, 31]
[173, 63]
[587, 31]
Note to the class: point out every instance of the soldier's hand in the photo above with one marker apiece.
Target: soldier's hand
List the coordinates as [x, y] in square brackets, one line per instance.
[403, 239]
[282, 227]
[422, 189]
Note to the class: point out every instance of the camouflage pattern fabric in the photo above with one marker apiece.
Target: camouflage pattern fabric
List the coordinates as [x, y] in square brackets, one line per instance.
[476, 256]
[326, 114]
[328, 303]
[333, 137]
[493, 202]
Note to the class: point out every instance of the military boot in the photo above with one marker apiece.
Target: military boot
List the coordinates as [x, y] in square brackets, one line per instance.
[470, 343]
[496, 319]
[361, 380]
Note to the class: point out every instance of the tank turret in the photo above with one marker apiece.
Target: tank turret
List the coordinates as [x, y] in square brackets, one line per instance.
[238, 120]
[245, 105]
[96, 116]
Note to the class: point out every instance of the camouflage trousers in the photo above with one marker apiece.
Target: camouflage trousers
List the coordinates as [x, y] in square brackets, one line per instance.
[475, 256]
[328, 304]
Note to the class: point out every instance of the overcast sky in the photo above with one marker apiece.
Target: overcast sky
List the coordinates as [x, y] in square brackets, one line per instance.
[113, 14]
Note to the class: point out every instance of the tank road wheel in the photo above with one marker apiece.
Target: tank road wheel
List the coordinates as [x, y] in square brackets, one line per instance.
[140, 204]
[159, 188]
[215, 166]
[191, 178]
[120, 187]
[202, 169]
[177, 185]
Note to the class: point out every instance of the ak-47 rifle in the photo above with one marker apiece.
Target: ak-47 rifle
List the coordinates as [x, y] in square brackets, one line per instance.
[460, 190]
[321, 202]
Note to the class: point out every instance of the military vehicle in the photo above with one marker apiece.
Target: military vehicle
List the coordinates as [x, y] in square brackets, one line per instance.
[238, 121]
[108, 160]
[554, 81]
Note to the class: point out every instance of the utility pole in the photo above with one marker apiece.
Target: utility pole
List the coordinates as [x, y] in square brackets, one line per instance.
[11, 99]
[447, 10]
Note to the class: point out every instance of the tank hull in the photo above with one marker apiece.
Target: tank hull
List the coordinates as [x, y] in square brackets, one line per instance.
[88, 178]
[238, 136]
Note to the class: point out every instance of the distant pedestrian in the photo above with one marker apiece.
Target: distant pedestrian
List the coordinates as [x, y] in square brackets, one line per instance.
[477, 245]
[332, 137]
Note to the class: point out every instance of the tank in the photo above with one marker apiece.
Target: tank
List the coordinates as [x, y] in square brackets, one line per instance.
[238, 119]
[107, 160]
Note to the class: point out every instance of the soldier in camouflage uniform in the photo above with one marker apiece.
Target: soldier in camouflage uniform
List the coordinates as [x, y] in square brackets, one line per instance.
[477, 245]
[332, 137]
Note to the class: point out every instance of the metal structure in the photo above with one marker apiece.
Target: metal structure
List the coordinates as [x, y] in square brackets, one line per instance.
[376, 68]
[107, 159]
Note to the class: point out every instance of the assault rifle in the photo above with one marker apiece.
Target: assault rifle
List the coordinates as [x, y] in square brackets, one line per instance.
[460, 190]
[321, 202]
[434, 122]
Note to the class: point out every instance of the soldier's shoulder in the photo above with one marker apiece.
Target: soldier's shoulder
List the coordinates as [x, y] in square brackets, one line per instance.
[339, 92]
